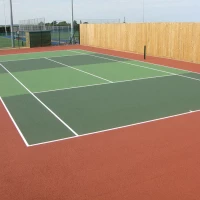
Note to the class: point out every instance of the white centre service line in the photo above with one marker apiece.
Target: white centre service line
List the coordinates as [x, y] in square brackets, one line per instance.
[79, 70]
[141, 66]
[56, 116]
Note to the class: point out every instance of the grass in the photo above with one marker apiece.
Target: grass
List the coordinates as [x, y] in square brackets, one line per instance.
[6, 42]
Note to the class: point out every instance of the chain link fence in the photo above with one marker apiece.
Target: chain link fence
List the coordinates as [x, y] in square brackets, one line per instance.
[59, 36]
[60, 33]
[6, 42]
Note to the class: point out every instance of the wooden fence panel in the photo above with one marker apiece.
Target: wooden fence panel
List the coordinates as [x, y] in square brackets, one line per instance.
[180, 41]
[196, 43]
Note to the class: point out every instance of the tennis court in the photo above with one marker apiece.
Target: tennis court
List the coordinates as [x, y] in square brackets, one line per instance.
[65, 94]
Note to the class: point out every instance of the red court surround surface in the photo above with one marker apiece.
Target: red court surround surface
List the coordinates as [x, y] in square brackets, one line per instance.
[153, 161]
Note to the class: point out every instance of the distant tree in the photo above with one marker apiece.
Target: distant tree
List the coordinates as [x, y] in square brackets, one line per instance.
[63, 23]
[54, 23]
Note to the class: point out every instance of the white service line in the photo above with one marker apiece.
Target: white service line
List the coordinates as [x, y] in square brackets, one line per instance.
[38, 52]
[116, 128]
[85, 86]
[129, 59]
[79, 70]
[142, 66]
[13, 121]
[41, 58]
[56, 116]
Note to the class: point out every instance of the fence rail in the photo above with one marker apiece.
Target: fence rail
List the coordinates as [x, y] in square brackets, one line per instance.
[179, 41]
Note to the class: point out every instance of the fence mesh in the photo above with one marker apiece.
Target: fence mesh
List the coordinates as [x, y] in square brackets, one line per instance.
[60, 35]
[32, 25]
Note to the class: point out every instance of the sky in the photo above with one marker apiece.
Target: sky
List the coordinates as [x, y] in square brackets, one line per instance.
[132, 10]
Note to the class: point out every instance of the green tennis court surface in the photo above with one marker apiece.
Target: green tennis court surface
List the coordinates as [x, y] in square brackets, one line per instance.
[58, 95]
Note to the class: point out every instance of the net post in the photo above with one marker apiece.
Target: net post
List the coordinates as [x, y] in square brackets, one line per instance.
[145, 51]
[79, 36]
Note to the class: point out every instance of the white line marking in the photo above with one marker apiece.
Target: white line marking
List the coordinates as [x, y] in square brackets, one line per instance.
[85, 86]
[120, 127]
[79, 70]
[112, 56]
[15, 124]
[105, 83]
[38, 52]
[56, 116]
[141, 66]
[41, 57]
[131, 59]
